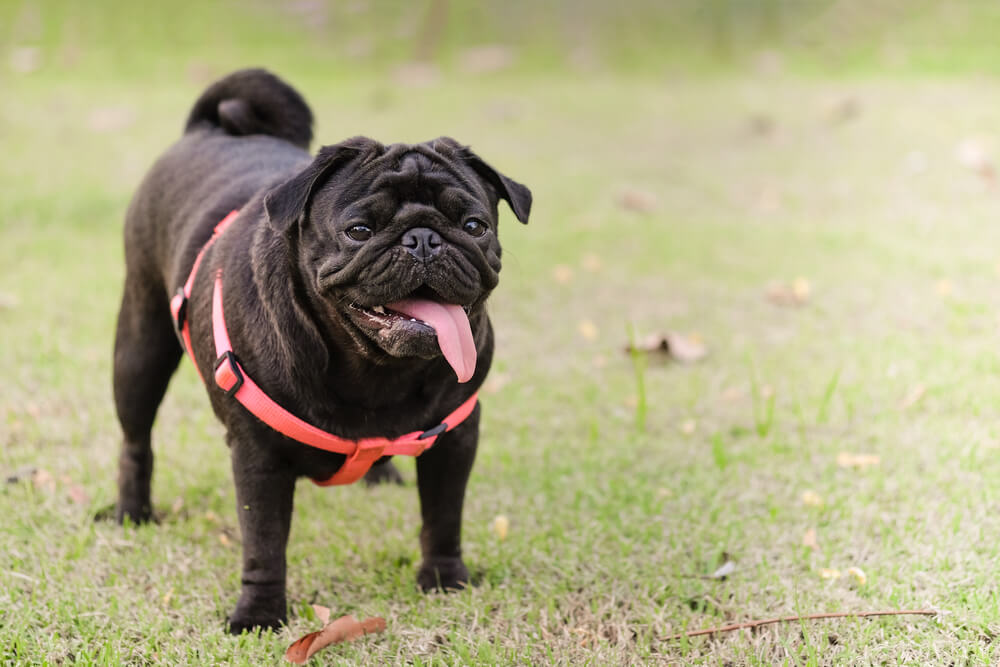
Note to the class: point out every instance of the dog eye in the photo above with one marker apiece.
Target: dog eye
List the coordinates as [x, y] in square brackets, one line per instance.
[360, 232]
[474, 227]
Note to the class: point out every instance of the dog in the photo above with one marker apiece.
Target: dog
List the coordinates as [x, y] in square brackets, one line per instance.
[350, 291]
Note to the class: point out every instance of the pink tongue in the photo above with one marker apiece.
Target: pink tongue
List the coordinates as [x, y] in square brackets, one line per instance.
[454, 333]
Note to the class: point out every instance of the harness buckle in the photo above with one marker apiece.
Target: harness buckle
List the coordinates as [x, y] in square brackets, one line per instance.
[437, 430]
[226, 373]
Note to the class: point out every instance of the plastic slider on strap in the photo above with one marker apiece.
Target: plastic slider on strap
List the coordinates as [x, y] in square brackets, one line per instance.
[227, 373]
[433, 432]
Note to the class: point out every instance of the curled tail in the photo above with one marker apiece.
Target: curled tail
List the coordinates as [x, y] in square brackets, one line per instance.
[254, 101]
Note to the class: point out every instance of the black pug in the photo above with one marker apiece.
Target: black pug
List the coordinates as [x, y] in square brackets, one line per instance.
[350, 290]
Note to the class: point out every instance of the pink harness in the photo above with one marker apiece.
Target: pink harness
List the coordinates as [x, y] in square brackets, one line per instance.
[232, 379]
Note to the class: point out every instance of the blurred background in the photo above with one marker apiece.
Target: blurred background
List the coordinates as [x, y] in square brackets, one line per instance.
[116, 40]
[789, 206]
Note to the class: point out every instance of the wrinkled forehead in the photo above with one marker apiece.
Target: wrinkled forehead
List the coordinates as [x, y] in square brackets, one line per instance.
[413, 173]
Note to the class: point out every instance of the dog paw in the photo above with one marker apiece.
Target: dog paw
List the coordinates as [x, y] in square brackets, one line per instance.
[443, 574]
[136, 512]
[250, 621]
[383, 473]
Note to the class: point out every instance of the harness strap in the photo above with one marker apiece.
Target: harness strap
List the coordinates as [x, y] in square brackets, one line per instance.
[231, 378]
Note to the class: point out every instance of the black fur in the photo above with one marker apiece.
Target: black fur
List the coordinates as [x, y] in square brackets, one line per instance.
[290, 274]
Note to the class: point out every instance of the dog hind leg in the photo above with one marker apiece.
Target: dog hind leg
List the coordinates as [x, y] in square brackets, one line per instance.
[146, 355]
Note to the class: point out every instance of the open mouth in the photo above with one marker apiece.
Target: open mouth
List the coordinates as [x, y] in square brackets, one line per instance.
[416, 317]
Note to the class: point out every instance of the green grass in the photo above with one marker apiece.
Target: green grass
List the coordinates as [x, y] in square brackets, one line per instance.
[615, 517]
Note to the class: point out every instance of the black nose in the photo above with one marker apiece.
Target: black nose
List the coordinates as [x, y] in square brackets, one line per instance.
[422, 243]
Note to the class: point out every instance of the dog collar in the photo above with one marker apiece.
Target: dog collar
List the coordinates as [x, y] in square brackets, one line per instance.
[234, 381]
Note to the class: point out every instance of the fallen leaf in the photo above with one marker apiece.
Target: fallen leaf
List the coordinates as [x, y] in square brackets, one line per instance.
[640, 201]
[486, 59]
[167, 597]
[913, 396]
[761, 124]
[794, 294]
[593, 263]
[663, 492]
[501, 526]
[843, 109]
[724, 570]
[684, 349]
[25, 59]
[211, 516]
[177, 505]
[829, 573]
[809, 539]
[43, 479]
[943, 287]
[688, 426]
[849, 460]
[588, 330]
[858, 575]
[562, 274]
[416, 75]
[322, 613]
[768, 200]
[77, 494]
[224, 539]
[345, 628]
[973, 154]
[812, 499]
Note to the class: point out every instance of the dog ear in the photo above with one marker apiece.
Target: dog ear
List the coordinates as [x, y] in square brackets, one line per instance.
[286, 204]
[517, 195]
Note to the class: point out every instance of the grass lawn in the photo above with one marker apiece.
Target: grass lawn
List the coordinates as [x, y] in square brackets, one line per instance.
[876, 192]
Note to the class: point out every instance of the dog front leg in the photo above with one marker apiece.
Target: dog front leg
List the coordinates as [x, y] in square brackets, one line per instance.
[265, 487]
[442, 474]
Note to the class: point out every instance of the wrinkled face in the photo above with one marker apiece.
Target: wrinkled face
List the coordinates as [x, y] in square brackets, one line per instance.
[401, 243]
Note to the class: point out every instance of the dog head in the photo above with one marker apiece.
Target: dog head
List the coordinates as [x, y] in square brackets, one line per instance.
[399, 242]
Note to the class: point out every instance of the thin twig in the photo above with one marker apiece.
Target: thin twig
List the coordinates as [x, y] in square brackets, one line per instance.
[809, 617]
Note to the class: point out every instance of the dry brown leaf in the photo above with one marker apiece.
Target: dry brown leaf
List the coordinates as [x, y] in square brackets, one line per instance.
[685, 349]
[974, 155]
[224, 540]
[486, 59]
[829, 573]
[588, 330]
[849, 460]
[322, 613]
[640, 201]
[562, 274]
[812, 499]
[344, 629]
[77, 494]
[809, 539]
[43, 479]
[794, 294]
[913, 396]
[593, 263]
[25, 59]
[501, 526]
[416, 75]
